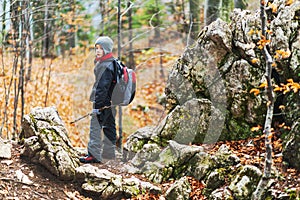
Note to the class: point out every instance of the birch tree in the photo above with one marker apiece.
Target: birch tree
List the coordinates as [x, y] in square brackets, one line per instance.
[29, 38]
[257, 195]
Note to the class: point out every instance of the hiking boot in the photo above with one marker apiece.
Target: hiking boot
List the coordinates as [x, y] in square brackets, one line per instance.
[89, 159]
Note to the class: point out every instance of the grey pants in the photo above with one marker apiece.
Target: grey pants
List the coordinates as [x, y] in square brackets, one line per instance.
[103, 144]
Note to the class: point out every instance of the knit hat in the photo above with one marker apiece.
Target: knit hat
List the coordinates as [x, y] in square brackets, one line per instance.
[106, 43]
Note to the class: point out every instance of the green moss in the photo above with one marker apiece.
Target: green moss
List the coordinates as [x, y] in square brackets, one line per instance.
[133, 190]
[49, 133]
[34, 121]
[54, 135]
[166, 173]
[293, 193]
[221, 171]
[179, 171]
[238, 129]
[160, 141]
[138, 145]
[268, 198]
[166, 157]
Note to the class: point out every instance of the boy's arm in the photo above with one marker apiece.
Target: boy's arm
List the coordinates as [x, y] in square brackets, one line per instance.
[102, 89]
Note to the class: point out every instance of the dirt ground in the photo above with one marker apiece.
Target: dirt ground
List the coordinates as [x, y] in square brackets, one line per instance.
[45, 185]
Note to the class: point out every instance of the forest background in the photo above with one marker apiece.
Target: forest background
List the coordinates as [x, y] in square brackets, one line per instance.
[47, 52]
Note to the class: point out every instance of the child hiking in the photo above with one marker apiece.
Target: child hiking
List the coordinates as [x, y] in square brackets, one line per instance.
[103, 115]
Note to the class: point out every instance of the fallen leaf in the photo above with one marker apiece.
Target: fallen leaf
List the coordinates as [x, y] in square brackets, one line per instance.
[255, 91]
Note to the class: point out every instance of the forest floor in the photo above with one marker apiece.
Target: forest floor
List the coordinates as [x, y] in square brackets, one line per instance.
[47, 186]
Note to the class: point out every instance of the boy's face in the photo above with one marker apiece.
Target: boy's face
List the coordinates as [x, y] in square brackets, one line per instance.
[99, 51]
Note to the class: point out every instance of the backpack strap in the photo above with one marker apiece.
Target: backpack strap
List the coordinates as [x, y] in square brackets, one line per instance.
[118, 70]
[116, 79]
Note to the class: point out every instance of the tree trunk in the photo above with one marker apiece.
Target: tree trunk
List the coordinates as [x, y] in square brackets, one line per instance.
[185, 24]
[227, 6]
[19, 88]
[212, 11]
[194, 18]
[3, 70]
[120, 139]
[72, 34]
[3, 26]
[23, 38]
[46, 39]
[157, 24]
[29, 38]
[257, 195]
[242, 4]
[131, 63]
[103, 12]
[158, 38]
[16, 32]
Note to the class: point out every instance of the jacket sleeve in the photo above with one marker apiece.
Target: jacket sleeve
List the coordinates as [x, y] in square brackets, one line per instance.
[102, 96]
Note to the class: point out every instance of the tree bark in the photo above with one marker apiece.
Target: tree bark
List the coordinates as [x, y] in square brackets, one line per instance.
[212, 12]
[3, 26]
[102, 8]
[131, 63]
[194, 18]
[29, 38]
[226, 7]
[158, 38]
[72, 34]
[46, 36]
[257, 195]
[16, 33]
[120, 139]
[242, 4]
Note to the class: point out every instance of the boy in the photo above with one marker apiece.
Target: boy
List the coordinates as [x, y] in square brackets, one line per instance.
[103, 115]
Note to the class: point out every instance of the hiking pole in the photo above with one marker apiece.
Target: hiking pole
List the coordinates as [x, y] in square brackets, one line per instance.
[80, 118]
[84, 116]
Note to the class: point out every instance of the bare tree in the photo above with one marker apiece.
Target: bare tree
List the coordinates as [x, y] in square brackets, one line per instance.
[257, 195]
[158, 38]
[47, 30]
[212, 10]
[16, 37]
[29, 38]
[131, 56]
[226, 8]
[242, 4]
[46, 36]
[120, 139]
[194, 18]
[3, 25]
[72, 34]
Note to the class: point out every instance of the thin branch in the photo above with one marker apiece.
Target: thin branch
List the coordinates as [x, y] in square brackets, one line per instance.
[151, 19]
[190, 30]
[24, 12]
[48, 82]
[127, 9]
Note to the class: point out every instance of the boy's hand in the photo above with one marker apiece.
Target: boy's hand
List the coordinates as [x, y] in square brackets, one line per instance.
[96, 111]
